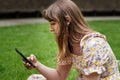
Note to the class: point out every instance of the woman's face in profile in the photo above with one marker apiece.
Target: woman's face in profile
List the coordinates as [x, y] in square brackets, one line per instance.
[54, 27]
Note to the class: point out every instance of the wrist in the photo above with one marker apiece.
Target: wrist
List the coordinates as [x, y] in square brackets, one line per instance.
[36, 64]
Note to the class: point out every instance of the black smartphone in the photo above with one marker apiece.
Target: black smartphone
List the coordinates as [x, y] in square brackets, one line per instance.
[24, 58]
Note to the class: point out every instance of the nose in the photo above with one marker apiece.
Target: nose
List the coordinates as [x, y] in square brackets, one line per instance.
[51, 29]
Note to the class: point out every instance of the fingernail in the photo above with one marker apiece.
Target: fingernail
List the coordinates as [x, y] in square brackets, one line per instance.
[31, 58]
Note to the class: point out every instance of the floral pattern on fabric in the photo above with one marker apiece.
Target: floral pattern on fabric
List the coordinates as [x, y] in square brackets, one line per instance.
[97, 57]
[36, 77]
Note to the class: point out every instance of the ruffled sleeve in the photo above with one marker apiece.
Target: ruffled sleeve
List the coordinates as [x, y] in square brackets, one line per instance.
[96, 54]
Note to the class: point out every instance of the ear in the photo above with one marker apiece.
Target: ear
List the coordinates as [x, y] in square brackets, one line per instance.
[68, 19]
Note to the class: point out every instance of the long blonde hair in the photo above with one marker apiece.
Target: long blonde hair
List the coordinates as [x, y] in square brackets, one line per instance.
[58, 12]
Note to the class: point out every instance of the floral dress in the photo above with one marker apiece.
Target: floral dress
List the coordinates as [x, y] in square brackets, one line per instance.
[97, 57]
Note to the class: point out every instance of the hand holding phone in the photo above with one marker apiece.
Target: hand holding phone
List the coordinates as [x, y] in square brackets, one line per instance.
[24, 58]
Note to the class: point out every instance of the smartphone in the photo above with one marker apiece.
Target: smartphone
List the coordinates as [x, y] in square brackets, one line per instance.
[24, 58]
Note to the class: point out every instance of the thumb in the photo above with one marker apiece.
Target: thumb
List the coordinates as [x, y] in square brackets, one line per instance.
[32, 57]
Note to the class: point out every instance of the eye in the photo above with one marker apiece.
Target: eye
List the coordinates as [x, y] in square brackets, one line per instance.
[52, 23]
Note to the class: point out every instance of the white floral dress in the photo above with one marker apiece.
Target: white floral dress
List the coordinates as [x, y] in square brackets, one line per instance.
[97, 57]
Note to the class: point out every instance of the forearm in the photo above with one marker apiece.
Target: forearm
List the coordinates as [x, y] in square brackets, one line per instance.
[49, 73]
[60, 73]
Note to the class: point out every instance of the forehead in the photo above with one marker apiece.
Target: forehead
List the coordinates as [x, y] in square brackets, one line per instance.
[52, 21]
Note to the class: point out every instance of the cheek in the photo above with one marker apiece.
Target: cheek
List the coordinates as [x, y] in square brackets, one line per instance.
[57, 27]
[58, 30]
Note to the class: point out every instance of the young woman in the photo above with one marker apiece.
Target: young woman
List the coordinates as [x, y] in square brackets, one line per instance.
[80, 46]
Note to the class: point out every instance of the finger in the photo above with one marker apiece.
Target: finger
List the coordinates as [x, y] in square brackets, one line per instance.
[32, 57]
[28, 66]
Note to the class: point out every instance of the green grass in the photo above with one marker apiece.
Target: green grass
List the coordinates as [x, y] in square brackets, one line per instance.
[37, 39]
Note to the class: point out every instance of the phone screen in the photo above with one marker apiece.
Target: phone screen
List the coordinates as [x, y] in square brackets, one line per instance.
[25, 59]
